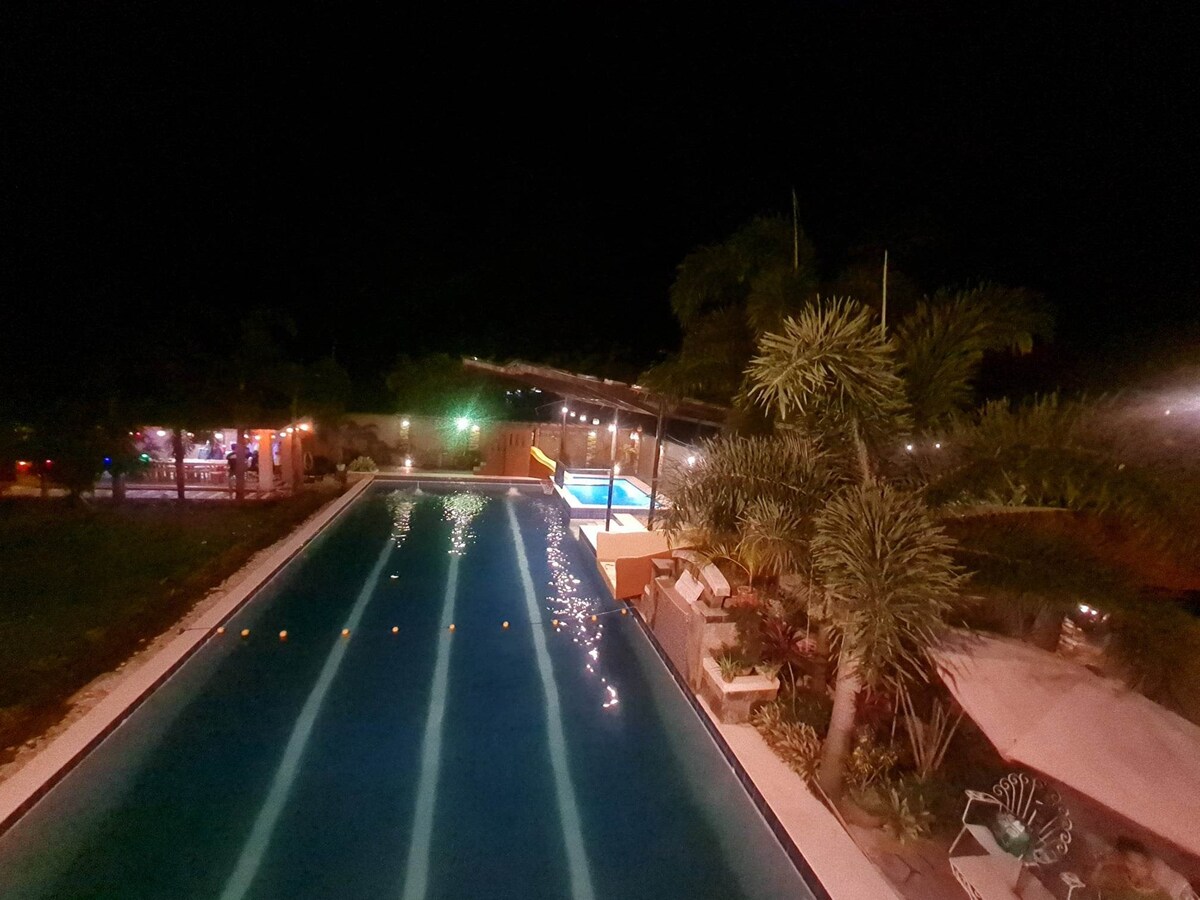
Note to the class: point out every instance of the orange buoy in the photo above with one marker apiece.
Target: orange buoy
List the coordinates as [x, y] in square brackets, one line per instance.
[595, 618]
[395, 629]
[283, 635]
[221, 629]
[624, 612]
[345, 632]
[504, 625]
[554, 622]
[245, 632]
[451, 626]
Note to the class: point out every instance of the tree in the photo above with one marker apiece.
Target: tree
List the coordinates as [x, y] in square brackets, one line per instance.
[727, 294]
[885, 568]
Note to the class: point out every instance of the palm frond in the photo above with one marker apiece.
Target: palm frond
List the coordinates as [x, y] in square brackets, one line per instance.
[887, 569]
[943, 342]
[831, 368]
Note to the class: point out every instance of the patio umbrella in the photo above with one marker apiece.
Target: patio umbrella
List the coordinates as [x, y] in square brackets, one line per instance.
[1092, 734]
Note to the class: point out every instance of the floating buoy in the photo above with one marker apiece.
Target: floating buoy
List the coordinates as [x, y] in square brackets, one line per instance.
[624, 612]
[394, 577]
[283, 635]
[451, 626]
[504, 625]
[245, 632]
[221, 629]
[395, 629]
[345, 632]
[595, 618]
[554, 622]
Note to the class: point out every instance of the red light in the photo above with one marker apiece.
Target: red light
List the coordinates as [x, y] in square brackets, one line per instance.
[49, 462]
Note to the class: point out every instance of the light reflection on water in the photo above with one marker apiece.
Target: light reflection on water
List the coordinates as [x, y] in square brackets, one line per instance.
[573, 609]
[460, 510]
[400, 505]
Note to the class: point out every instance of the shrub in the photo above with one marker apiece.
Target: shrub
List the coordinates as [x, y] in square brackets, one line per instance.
[871, 761]
[363, 464]
[796, 743]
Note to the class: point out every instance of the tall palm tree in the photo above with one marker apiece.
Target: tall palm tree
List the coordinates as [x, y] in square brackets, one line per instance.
[886, 571]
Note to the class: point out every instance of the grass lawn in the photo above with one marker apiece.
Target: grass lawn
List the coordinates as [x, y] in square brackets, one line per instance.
[79, 587]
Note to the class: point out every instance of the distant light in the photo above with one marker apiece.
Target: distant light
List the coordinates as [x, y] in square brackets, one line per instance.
[536, 390]
[612, 428]
[634, 436]
[161, 433]
[475, 429]
[23, 464]
[908, 447]
[49, 462]
[1167, 413]
[408, 462]
[108, 460]
[290, 430]
[565, 410]
[591, 434]
[616, 468]
[189, 434]
[572, 415]
[595, 421]
[461, 423]
[304, 426]
[1083, 607]
[404, 423]
[691, 460]
[218, 435]
[937, 445]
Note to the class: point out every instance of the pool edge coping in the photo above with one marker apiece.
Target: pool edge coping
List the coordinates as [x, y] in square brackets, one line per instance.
[50, 765]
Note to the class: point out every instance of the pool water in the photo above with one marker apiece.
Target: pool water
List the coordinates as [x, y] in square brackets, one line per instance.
[525, 762]
[595, 493]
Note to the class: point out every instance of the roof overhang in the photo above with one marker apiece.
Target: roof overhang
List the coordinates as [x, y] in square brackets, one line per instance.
[631, 398]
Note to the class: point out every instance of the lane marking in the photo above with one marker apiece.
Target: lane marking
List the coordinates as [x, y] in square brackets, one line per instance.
[416, 871]
[289, 766]
[564, 789]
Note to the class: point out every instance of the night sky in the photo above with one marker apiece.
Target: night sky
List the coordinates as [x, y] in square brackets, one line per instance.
[412, 178]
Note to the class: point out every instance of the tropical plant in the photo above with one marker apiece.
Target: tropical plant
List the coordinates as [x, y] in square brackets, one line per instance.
[886, 568]
[943, 341]
[730, 665]
[727, 294]
[928, 740]
[796, 743]
[363, 464]
[832, 371]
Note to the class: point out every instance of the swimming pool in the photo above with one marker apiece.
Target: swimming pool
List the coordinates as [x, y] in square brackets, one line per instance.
[528, 761]
[594, 492]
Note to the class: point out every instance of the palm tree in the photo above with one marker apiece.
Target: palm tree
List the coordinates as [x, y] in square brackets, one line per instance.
[885, 568]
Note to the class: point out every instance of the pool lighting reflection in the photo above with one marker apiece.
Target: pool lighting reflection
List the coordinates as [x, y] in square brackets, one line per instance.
[460, 510]
[573, 611]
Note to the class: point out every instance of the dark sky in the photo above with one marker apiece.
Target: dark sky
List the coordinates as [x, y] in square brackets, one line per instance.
[410, 177]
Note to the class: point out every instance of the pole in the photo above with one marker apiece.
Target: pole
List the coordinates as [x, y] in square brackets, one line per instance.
[658, 436]
[562, 436]
[612, 469]
[883, 318]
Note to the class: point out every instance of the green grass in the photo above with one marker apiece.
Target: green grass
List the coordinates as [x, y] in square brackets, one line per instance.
[82, 588]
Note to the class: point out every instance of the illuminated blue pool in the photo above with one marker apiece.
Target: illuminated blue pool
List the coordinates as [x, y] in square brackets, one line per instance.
[541, 749]
[626, 495]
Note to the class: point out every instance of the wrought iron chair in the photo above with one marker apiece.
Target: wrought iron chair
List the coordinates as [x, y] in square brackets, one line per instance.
[1040, 812]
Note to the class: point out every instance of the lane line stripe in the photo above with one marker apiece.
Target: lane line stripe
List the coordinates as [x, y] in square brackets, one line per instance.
[416, 871]
[564, 789]
[289, 766]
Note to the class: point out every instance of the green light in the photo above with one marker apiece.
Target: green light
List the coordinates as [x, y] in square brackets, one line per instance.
[462, 423]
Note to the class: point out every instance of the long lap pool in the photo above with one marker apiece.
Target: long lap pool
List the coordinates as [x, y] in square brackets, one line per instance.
[406, 759]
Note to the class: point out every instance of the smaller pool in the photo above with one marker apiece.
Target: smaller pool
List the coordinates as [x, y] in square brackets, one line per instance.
[594, 492]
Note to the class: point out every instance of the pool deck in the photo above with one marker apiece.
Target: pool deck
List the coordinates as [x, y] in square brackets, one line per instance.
[37, 776]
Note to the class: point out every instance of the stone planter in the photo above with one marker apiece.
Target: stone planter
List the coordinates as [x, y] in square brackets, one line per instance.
[732, 701]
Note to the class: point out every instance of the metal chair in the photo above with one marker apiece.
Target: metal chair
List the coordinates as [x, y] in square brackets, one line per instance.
[1032, 804]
